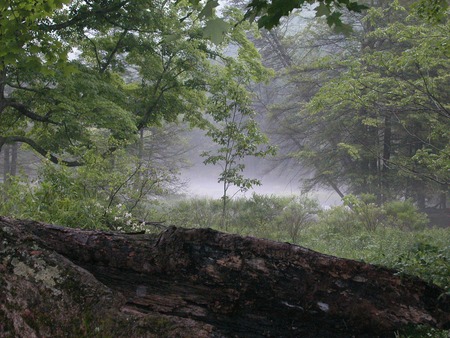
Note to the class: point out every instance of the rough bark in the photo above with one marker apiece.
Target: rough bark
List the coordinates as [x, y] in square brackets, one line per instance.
[56, 281]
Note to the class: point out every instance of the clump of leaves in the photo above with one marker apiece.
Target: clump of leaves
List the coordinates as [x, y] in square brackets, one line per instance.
[297, 215]
[428, 261]
[365, 212]
[193, 213]
[405, 215]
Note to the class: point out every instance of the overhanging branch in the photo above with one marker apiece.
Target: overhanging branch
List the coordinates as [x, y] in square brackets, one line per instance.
[39, 149]
[22, 109]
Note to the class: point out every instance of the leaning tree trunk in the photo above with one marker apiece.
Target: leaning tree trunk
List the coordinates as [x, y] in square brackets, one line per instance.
[56, 281]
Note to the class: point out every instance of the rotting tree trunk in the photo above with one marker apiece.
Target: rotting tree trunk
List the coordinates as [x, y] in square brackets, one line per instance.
[197, 283]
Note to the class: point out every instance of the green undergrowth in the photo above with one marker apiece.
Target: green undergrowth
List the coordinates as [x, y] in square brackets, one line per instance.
[425, 253]
[395, 235]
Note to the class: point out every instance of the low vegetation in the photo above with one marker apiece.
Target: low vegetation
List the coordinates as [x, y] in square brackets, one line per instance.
[395, 235]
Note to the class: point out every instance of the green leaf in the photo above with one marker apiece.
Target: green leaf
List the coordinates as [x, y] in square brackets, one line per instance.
[215, 30]
[343, 28]
[170, 37]
[322, 9]
[208, 10]
[334, 19]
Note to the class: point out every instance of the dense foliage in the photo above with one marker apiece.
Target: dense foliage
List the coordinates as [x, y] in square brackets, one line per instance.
[112, 68]
[368, 113]
[98, 86]
[104, 92]
[89, 82]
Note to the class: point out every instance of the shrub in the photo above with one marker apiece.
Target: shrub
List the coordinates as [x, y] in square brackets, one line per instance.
[366, 212]
[100, 194]
[339, 219]
[362, 211]
[299, 213]
[194, 213]
[404, 214]
[259, 211]
[16, 198]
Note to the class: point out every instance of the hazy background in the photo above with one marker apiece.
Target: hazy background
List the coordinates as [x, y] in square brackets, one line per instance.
[202, 180]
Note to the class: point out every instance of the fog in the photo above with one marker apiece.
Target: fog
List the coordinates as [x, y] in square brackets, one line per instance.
[202, 180]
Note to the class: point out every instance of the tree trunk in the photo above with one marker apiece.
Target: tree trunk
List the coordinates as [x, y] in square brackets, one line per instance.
[141, 145]
[334, 186]
[13, 164]
[6, 162]
[387, 140]
[443, 199]
[56, 281]
[421, 200]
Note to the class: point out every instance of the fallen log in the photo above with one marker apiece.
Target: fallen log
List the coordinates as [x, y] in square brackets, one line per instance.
[56, 281]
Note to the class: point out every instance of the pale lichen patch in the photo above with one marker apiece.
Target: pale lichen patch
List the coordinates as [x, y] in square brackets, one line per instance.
[360, 279]
[47, 275]
[21, 269]
[8, 230]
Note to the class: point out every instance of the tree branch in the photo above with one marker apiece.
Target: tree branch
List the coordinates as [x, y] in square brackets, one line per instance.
[22, 109]
[39, 149]
[113, 52]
